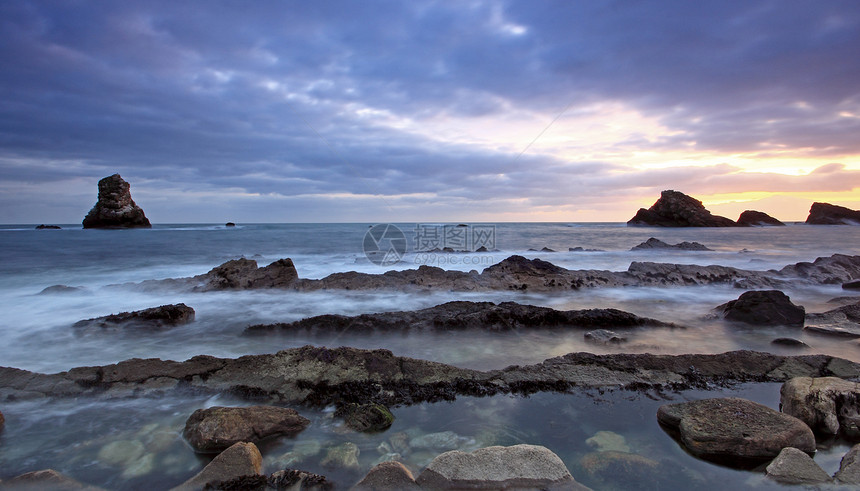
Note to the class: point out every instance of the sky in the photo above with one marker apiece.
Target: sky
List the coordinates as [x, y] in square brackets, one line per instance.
[393, 111]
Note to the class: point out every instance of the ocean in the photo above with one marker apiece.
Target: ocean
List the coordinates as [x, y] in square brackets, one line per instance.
[36, 332]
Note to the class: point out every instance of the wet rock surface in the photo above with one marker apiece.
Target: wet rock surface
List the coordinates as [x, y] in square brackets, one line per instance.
[321, 376]
[365, 417]
[752, 218]
[842, 321]
[734, 431]
[115, 208]
[763, 308]
[828, 405]
[654, 243]
[849, 467]
[387, 476]
[518, 466]
[827, 214]
[458, 315]
[676, 209]
[793, 466]
[790, 343]
[162, 317]
[241, 459]
[217, 428]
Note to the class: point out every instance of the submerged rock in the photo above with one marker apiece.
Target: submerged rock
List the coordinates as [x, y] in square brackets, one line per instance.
[793, 466]
[216, 428]
[828, 405]
[46, 479]
[603, 336]
[653, 243]
[459, 315]
[623, 470]
[842, 321]
[752, 218]
[763, 308]
[115, 208]
[365, 417]
[241, 459]
[827, 214]
[343, 456]
[387, 476]
[734, 431]
[849, 467]
[165, 316]
[519, 466]
[605, 441]
[440, 441]
[675, 209]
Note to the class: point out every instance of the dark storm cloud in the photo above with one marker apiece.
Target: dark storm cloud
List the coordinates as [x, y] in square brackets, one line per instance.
[306, 98]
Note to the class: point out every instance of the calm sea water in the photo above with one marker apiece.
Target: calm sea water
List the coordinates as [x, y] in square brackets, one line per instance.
[36, 334]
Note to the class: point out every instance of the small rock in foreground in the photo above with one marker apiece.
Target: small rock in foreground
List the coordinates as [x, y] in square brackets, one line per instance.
[793, 466]
[387, 476]
[241, 459]
[519, 466]
[216, 428]
[849, 467]
[734, 431]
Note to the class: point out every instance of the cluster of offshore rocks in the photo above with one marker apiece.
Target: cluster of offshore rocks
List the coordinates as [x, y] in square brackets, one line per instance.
[676, 209]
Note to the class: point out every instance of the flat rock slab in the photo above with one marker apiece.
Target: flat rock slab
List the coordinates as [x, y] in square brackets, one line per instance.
[793, 466]
[828, 405]
[216, 428]
[519, 466]
[734, 431]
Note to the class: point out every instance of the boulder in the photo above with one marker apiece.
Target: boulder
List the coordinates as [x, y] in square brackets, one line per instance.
[370, 417]
[115, 208]
[849, 467]
[827, 214]
[676, 209]
[48, 227]
[519, 466]
[163, 317]
[763, 308]
[789, 343]
[45, 479]
[241, 459]
[654, 243]
[604, 336]
[793, 466]
[842, 321]
[387, 476]
[734, 431]
[828, 405]
[752, 218]
[216, 428]
[851, 285]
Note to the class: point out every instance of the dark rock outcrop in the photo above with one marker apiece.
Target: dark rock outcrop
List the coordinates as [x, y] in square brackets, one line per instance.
[163, 317]
[676, 209]
[516, 467]
[460, 315]
[61, 289]
[387, 476]
[790, 343]
[763, 308]
[370, 417]
[229, 224]
[851, 285]
[828, 405]
[653, 243]
[793, 466]
[48, 227]
[849, 467]
[752, 218]
[115, 208]
[322, 376]
[241, 459]
[734, 431]
[217, 428]
[287, 479]
[2, 421]
[827, 214]
[243, 274]
[842, 321]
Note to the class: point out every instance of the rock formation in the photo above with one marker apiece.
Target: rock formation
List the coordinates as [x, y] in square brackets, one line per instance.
[752, 218]
[828, 405]
[676, 209]
[734, 431]
[217, 428]
[654, 243]
[842, 321]
[163, 317]
[115, 208]
[827, 214]
[763, 308]
[849, 467]
[793, 466]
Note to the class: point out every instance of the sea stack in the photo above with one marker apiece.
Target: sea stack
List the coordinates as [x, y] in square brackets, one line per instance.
[827, 214]
[752, 218]
[115, 208]
[676, 209]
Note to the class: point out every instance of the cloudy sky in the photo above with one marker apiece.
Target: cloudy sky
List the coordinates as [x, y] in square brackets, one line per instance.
[297, 111]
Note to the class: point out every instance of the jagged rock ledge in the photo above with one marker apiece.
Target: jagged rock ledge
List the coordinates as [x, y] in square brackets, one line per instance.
[514, 273]
[321, 376]
[459, 315]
